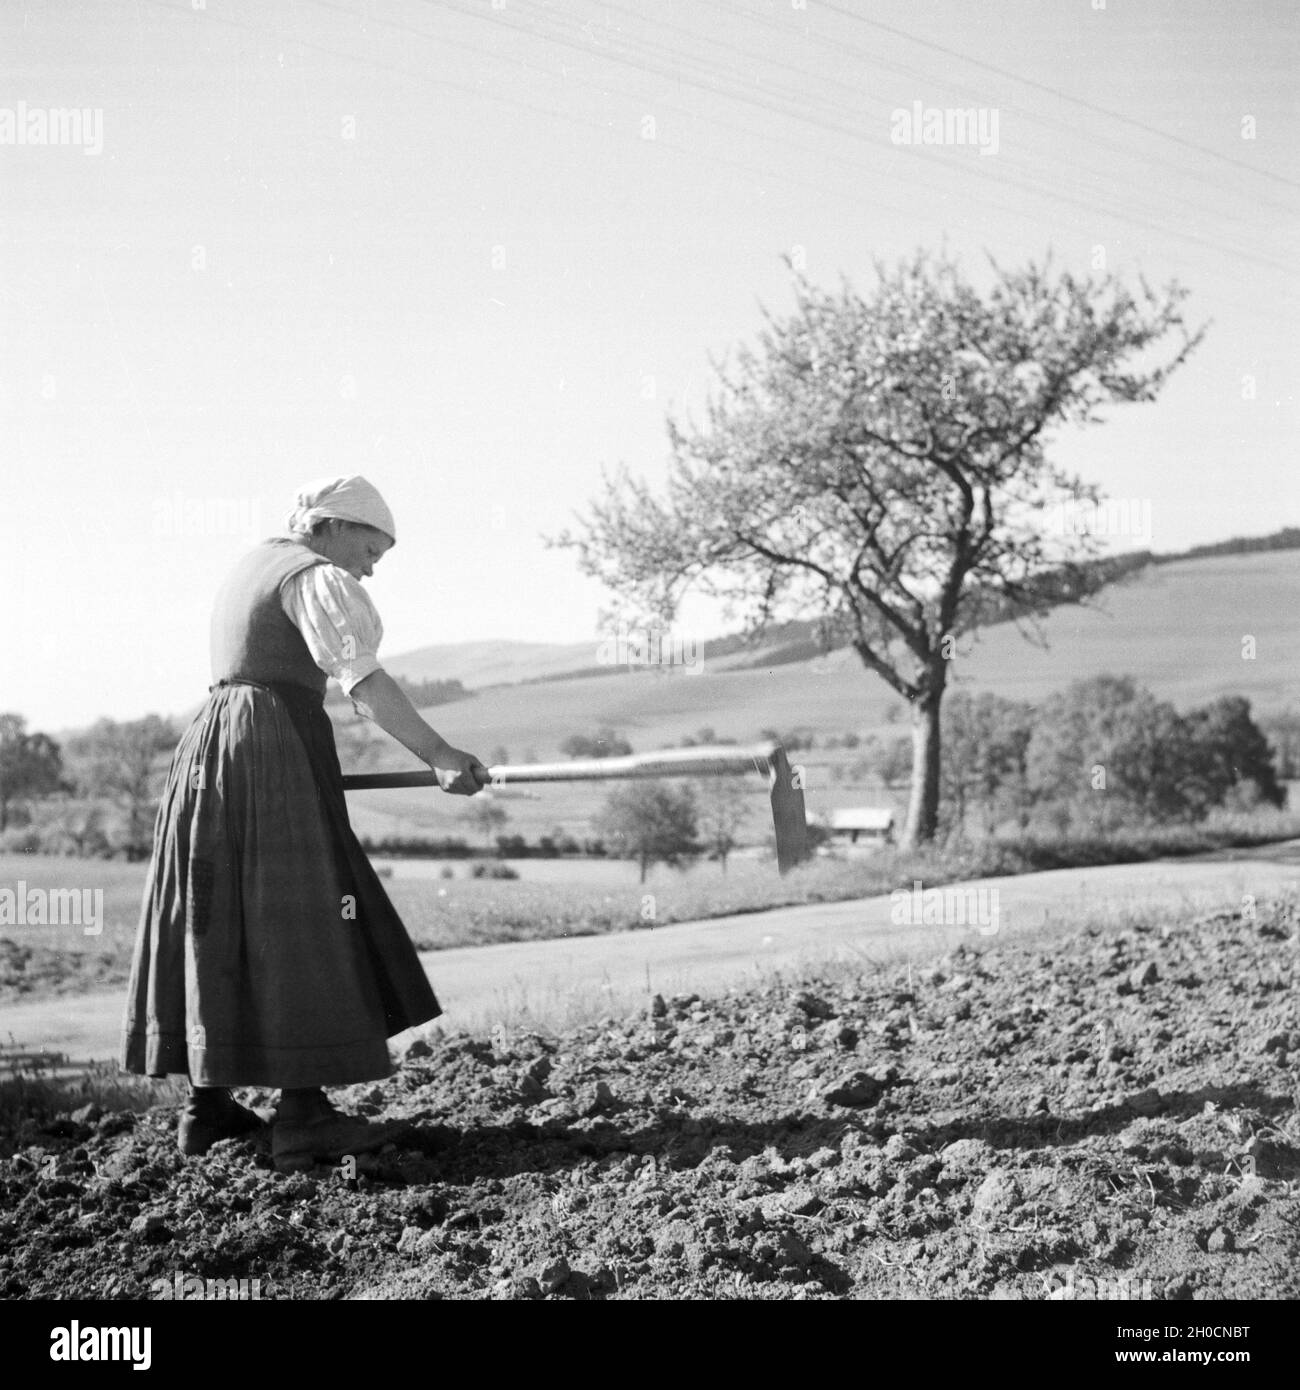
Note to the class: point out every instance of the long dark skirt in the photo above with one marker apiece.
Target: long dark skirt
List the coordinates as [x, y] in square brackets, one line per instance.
[268, 953]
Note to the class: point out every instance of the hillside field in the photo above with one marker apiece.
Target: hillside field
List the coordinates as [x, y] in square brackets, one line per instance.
[1177, 628]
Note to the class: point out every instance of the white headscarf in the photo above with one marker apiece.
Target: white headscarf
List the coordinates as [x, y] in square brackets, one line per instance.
[345, 499]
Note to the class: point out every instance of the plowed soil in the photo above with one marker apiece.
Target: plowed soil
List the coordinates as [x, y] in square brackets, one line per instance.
[1111, 1114]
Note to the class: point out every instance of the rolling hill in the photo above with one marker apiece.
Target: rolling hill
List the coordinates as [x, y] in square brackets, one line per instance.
[479, 664]
[1178, 628]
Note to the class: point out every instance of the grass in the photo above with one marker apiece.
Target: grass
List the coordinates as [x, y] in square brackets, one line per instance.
[37, 961]
[465, 912]
[37, 1089]
[441, 914]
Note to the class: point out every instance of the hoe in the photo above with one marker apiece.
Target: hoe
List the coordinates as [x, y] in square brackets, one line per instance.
[769, 759]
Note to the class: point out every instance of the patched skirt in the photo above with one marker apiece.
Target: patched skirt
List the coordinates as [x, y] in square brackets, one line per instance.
[268, 953]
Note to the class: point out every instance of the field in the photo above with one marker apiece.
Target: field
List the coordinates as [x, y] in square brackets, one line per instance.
[38, 960]
[1108, 1112]
[1140, 629]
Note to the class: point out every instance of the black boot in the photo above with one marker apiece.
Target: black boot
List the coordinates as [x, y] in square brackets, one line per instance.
[210, 1114]
[309, 1130]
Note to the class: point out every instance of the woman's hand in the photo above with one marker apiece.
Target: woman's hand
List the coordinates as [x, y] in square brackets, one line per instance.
[459, 773]
[380, 698]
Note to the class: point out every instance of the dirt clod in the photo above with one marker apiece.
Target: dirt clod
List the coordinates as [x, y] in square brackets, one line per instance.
[855, 1088]
[1143, 975]
[1219, 1241]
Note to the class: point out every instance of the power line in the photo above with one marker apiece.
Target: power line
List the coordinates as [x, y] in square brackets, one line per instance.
[821, 80]
[660, 104]
[919, 153]
[552, 113]
[1064, 96]
[549, 113]
[839, 47]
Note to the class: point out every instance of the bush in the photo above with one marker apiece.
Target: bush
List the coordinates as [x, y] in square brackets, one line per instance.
[1162, 766]
[28, 839]
[415, 847]
[65, 826]
[1246, 795]
[493, 871]
[606, 744]
[653, 822]
[706, 737]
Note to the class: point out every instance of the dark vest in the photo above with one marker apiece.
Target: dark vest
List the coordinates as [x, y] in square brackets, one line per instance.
[251, 637]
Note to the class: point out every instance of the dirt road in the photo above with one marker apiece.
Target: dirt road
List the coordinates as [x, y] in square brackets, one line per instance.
[563, 981]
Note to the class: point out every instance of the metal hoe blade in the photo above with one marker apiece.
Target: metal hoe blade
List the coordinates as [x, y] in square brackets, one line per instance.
[788, 815]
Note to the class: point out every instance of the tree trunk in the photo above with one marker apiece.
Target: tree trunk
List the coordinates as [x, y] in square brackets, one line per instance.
[644, 861]
[923, 804]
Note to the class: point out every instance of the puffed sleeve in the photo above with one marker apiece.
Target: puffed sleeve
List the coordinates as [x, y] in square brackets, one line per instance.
[337, 620]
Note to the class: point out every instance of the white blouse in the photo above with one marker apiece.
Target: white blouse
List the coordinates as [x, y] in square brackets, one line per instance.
[339, 623]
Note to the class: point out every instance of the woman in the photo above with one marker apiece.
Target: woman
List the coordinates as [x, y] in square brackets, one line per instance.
[268, 953]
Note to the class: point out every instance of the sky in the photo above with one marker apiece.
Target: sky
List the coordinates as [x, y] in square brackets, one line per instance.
[481, 250]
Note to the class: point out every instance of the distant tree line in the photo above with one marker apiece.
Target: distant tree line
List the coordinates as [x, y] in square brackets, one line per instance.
[605, 743]
[557, 844]
[1288, 538]
[95, 796]
[706, 737]
[423, 693]
[30, 765]
[417, 847]
[1103, 753]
